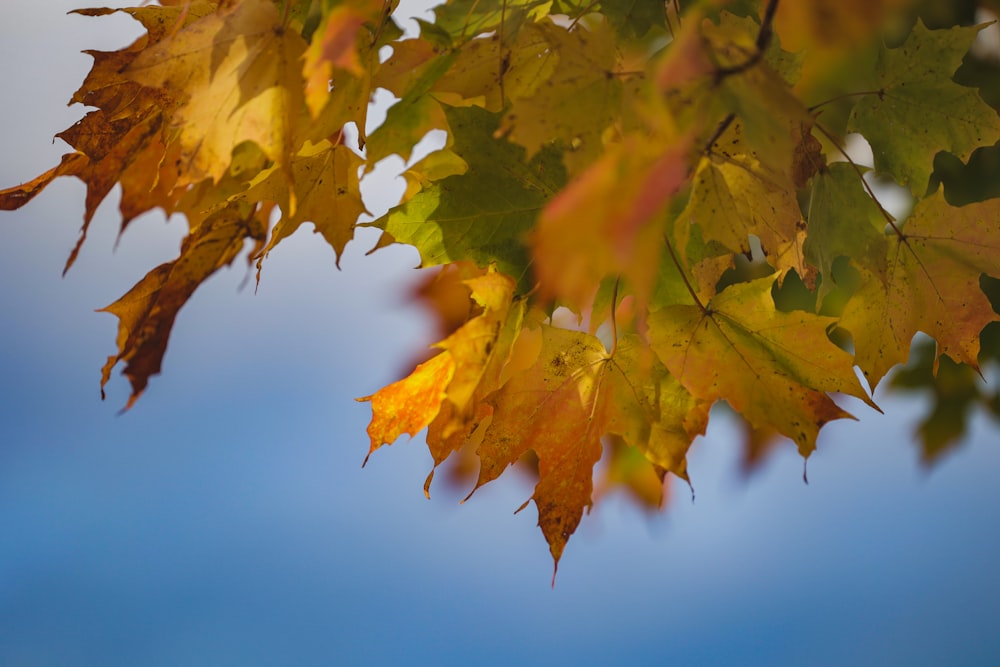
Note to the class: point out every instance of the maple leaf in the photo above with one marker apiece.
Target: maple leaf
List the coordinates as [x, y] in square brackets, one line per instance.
[106, 155]
[327, 193]
[918, 110]
[578, 100]
[735, 195]
[416, 114]
[755, 88]
[146, 313]
[234, 76]
[481, 349]
[498, 73]
[410, 404]
[607, 222]
[930, 283]
[627, 467]
[844, 221]
[104, 86]
[955, 389]
[338, 47]
[447, 392]
[483, 214]
[559, 407]
[774, 368]
[582, 140]
[120, 140]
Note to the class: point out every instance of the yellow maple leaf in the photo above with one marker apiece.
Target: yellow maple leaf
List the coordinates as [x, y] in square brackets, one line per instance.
[578, 98]
[326, 191]
[735, 195]
[234, 75]
[498, 73]
[774, 368]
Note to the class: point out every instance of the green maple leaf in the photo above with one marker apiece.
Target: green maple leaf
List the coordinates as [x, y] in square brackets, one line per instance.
[919, 110]
[483, 214]
[955, 390]
[416, 114]
[843, 222]
[634, 18]
[467, 18]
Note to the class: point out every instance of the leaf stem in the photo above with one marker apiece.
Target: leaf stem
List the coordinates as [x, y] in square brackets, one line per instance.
[614, 316]
[284, 14]
[766, 30]
[504, 59]
[636, 72]
[666, 19]
[386, 13]
[581, 14]
[680, 270]
[723, 126]
[180, 20]
[845, 96]
[861, 177]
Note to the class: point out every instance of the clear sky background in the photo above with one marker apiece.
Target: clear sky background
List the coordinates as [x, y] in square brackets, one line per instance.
[226, 519]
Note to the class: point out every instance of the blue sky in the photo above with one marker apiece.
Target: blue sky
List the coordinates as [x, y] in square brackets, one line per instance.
[226, 519]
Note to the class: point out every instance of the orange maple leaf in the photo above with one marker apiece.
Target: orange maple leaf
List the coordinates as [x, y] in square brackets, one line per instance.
[410, 404]
[930, 283]
[607, 222]
[560, 407]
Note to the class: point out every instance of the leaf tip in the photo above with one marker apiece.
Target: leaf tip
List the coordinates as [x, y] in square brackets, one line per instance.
[128, 406]
[427, 483]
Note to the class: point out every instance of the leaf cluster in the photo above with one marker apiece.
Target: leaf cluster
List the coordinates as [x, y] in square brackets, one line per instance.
[641, 209]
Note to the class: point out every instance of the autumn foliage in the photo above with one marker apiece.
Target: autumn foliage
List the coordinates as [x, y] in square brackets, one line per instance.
[641, 209]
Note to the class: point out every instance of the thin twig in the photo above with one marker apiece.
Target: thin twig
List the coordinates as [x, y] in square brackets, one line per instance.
[764, 36]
